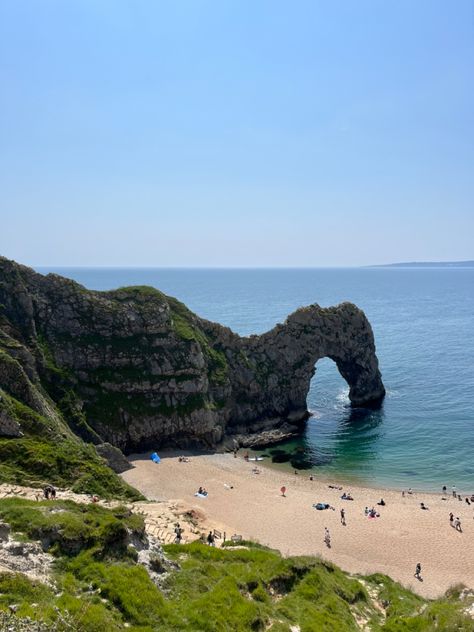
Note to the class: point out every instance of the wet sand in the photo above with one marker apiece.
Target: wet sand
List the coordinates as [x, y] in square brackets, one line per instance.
[393, 544]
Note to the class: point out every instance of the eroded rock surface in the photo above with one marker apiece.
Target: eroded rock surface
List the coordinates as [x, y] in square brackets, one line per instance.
[137, 369]
[24, 557]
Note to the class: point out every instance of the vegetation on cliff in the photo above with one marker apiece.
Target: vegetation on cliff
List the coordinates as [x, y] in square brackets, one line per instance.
[47, 453]
[98, 584]
[137, 369]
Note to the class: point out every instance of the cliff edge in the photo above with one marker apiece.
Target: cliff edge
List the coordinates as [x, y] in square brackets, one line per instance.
[135, 368]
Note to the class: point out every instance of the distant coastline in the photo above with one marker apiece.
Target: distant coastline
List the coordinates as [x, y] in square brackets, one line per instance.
[426, 264]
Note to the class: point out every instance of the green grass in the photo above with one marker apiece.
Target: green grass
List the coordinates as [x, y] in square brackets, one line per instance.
[99, 585]
[49, 454]
[69, 527]
[64, 463]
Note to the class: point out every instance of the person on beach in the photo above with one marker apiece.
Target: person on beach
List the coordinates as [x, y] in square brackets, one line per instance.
[210, 539]
[410, 491]
[403, 493]
[343, 517]
[454, 491]
[381, 502]
[423, 506]
[457, 525]
[418, 571]
[327, 537]
[451, 519]
[444, 490]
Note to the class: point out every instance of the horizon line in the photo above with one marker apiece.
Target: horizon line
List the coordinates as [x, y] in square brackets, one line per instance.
[251, 267]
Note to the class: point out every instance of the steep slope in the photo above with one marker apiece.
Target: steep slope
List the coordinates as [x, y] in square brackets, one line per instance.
[136, 368]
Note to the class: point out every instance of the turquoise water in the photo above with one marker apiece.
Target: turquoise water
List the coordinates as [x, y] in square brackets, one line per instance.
[423, 321]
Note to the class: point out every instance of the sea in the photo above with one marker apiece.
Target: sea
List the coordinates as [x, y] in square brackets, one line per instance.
[423, 322]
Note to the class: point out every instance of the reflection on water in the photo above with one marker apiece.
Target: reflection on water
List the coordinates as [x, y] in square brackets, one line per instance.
[357, 434]
[350, 442]
[338, 438]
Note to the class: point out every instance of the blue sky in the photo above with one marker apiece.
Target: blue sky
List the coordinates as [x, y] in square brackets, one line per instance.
[236, 133]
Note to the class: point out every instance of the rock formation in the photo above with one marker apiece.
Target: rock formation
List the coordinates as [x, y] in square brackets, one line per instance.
[136, 369]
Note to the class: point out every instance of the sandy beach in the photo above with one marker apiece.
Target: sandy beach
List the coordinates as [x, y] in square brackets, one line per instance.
[242, 502]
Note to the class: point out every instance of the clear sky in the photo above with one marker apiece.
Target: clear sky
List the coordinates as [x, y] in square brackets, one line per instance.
[236, 132]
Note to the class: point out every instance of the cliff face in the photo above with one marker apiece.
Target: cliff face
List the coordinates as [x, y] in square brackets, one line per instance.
[137, 369]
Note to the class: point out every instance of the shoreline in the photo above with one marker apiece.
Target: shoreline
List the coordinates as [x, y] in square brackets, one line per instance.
[347, 481]
[252, 505]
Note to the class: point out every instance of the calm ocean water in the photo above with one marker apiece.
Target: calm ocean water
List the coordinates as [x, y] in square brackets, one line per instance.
[423, 321]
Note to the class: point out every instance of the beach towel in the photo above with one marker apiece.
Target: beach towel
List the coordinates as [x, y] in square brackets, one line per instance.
[200, 495]
[155, 458]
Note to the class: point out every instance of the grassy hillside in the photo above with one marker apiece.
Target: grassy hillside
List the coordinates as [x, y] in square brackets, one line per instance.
[48, 453]
[98, 584]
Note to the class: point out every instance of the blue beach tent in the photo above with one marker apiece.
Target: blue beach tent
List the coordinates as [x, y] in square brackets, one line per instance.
[155, 458]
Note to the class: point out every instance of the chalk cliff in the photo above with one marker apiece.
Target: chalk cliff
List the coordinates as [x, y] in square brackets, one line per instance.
[135, 368]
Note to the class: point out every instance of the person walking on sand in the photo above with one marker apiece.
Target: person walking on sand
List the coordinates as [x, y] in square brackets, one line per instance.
[418, 571]
[327, 537]
[454, 491]
[457, 525]
[451, 519]
[343, 517]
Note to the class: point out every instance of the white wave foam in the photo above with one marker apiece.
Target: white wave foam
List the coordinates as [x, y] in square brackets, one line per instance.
[342, 398]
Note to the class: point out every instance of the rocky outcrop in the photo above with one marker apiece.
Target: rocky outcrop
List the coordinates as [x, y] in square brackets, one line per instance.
[137, 369]
[114, 457]
[28, 558]
[9, 427]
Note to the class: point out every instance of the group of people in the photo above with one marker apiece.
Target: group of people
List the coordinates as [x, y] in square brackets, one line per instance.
[371, 513]
[183, 459]
[201, 491]
[49, 492]
[468, 499]
[347, 496]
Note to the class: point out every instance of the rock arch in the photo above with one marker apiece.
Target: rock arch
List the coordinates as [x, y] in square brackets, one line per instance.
[287, 356]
